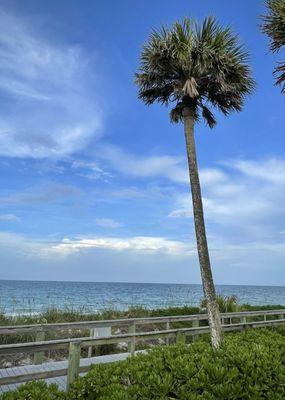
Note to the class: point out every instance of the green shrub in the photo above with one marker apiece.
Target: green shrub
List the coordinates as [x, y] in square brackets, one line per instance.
[35, 391]
[249, 366]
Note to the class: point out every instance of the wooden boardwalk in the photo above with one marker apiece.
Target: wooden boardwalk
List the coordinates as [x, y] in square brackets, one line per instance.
[108, 332]
[54, 366]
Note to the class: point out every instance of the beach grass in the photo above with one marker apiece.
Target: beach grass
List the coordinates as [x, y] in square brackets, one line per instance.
[71, 314]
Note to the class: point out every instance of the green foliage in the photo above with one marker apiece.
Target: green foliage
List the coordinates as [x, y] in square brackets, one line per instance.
[194, 67]
[226, 303]
[248, 366]
[249, 307]
[55, 315]
[35, 391]
[274, 23]
[274, 27]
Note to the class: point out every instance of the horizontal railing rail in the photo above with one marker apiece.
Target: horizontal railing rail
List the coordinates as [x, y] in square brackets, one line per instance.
[15, 329]
[31, 347]
[132, 337]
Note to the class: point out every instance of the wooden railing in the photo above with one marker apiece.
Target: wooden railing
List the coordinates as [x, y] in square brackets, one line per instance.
[99, 337]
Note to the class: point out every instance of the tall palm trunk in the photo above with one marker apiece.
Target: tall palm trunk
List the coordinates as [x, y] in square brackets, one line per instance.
[204, 259]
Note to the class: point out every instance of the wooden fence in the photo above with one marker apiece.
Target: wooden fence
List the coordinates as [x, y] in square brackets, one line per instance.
[101, 334]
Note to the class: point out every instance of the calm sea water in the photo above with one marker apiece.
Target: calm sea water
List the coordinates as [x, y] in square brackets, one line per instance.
[21, 297]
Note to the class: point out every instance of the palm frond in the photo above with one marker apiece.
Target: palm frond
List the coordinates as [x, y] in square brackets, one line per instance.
[190, 88]
[208, 116]
[176, 113]
[188, 63]
[274, 24]
[279, 73]
[274, 27]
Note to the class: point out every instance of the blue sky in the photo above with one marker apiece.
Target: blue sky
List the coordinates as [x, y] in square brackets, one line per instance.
[94, 184]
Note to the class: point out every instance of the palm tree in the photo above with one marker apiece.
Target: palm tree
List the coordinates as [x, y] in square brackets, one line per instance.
[274, 27]
[196, 69]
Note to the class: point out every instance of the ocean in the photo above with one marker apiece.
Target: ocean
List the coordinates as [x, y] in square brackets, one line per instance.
[29, 297]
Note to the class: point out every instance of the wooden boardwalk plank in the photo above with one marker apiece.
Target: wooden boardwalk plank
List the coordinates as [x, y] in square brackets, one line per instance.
[54, 366]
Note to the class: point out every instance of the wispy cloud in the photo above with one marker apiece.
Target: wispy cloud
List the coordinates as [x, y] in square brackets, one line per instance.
[56, 111]
[149, 192]
[9, 217]
[271, 170]
[107, 223]
[20, 245]
[46, 194]
[249, 197]
[163, 166]
[90, 170]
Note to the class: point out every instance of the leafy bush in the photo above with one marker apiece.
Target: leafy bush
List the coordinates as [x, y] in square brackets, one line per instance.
[249, 307]
[249, 366]
[35, 391]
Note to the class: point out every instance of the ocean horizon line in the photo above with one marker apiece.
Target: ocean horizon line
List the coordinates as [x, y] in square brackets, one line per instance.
[138, 283]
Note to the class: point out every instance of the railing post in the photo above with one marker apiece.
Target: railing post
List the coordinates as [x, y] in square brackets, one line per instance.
[39, 355]
[73, 362]
[195, 324]
[180, 337]
[132, 342]
[92, 334]
[264, 318]
[167, 328]
[280, 316]
[243, 321]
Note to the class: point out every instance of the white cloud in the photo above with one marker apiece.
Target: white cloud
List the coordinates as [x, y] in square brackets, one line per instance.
[246, 203]
[33, 247]
[249, 262]
[272, 170]
[50, 108]
[211, 176]
[9, 217]
[20, 245]
[43, 248]
[183, 207]
[107, 223]
[138, 244]
[90, 170]
[164, 166]
[156, 166]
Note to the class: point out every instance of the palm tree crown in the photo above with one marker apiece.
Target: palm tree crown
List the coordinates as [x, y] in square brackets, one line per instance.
[274, 27]
[194, 67]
